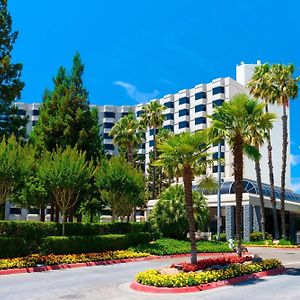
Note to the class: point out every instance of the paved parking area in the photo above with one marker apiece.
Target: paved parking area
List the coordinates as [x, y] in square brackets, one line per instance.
[112, 282]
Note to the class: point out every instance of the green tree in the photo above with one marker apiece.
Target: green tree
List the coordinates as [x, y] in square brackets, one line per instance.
[188, 150]
[169, 214]
[259, 88]
[153, 118]
[121, 185]
[65, 116]
[283, 87]
[234, 121]
[11, 85]
[127, 135]
[66, 174]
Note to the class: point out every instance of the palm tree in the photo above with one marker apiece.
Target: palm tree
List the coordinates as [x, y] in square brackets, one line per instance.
[234, 121]
[259, 88]
[153, 118]
[126, 135]
[188, 150]
[259, 132]
[283, 87]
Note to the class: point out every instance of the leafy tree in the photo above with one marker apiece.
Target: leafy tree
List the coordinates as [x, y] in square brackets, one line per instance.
[121, 185]
[153, 118]
[234, 121]
[169, 214]
[282, 87]
[127, 135]
[188, 150]
[10, 78]
[65, 116]
[15, 163]
[66, 174]
[259, 88]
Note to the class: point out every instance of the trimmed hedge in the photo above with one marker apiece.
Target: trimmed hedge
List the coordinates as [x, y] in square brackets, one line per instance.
[87, 244]
[12, 247]
[258, 236]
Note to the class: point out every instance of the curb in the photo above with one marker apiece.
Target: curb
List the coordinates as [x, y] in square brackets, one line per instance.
[101, 263]
[279, 248]
[203, 287]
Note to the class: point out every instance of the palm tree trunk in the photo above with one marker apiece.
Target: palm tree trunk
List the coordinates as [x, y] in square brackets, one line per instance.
[130, 154]
[187, 180]
[238, 166]
[283, 170]
[271, 176]
[261, 197]
[154, 168]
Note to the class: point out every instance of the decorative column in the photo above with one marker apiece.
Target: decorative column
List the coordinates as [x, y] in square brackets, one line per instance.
[256, 219]
[229, 222]
[7, 210]
[247, 221]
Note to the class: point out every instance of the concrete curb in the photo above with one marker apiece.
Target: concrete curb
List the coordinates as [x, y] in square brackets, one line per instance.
[101, 263]
[203, 287]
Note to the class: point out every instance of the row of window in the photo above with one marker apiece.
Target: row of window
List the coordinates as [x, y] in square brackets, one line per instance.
[215, 169]
[22, 112]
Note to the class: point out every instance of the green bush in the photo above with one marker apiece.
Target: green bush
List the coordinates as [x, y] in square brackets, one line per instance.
[222, 237]
[12, 247]
[258, 236]
[171, 246]
[286, 242]
[86, 244]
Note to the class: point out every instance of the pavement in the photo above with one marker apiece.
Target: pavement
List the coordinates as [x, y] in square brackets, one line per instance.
[112, 282]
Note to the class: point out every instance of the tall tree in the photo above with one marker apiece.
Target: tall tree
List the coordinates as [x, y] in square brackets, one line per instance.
[65, 116]
[188, 150]
[153, 118]
[234, 121]
[283, 87]
[11, 85]
[259, 88]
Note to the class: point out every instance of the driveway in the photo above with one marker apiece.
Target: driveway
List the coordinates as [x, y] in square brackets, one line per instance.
[112, 282]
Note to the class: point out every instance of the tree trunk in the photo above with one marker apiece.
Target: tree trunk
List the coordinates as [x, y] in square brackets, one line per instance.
[43, 214]
[154, 167]
[261, 198]
[130, 154]
[283, 170]
[79, 218]
[91, 215]
[134, 214]
[271, 176]
[57, 213]
[187, 180]
[52, 211]
[63, 222]
[238, 166]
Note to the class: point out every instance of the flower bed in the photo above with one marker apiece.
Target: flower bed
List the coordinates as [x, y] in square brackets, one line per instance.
[205, 263]
[156, 279]
[48, 260]
[274, 246]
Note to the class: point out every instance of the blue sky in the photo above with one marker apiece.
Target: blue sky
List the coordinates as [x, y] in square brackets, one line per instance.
[136, 50]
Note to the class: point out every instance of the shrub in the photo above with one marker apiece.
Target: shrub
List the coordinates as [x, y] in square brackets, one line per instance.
[81, 244]
[258, 236]
[222, 237]
[154, 278]
[12, 247]
[171, 246]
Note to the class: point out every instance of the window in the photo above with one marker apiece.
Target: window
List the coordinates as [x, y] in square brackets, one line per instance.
[124, 114]
[184, 100]
[34, 123]
[142, 146]
[33, 211]
[15, 211]
[218, 102]
[218, 90]
[169, 127]
[169, 116]
[138, 114]
[151, 143]
[152, 131]
[215, 169]
[201, 95]
[200, 120]
[184, 112]
[109, 147]
[216, 143]
[109, 114]
[108, 125]
[184, 124]
[35, 112]
[216, 155]
[21, 112]
[169, 105]
[201, 107]
[107, 136]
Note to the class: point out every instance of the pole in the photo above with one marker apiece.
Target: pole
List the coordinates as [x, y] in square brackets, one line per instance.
[219, 218]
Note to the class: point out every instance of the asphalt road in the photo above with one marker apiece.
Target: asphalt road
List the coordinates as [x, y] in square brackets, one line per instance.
[112, 282]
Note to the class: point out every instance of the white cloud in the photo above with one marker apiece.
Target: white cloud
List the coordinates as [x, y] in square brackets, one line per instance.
[135, 94]
[296, 184]
[295, 160]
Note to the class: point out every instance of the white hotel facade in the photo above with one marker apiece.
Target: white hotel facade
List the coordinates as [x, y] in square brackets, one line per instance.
[187, 111]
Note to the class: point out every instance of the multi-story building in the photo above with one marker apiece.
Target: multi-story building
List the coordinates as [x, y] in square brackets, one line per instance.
[188, 111]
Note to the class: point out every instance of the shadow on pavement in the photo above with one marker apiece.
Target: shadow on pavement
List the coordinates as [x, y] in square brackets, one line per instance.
[250, 282]
[293, 271]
